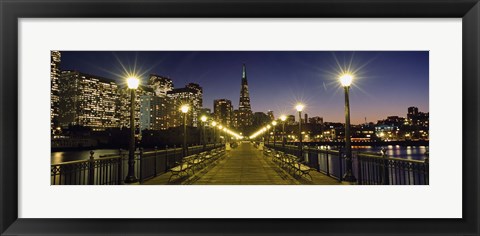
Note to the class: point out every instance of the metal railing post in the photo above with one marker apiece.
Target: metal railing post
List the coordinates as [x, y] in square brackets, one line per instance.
[91, 169]
[141, 164]
[328, 164]
[155, 162]
[166, 158]
[386, 178]
[120, 167]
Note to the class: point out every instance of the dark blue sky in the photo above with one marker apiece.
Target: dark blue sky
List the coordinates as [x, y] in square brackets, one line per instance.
[386, 83]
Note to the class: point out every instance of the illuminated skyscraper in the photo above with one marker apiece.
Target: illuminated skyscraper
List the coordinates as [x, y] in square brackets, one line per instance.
[88, 100]
[160, 85]
[223, 112]
[54, 87]
[192, 95]
[244, 108]
[154, 112]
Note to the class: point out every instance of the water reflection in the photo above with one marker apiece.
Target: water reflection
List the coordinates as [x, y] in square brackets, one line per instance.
[59, 157]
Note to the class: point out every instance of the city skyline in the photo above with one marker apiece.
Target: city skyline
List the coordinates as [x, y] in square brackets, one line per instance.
[386, 83]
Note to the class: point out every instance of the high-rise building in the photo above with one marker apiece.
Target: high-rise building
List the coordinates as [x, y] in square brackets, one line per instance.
[306, 118]
[160, 85]
[88, 100]
[124, 101]
[244, 108]
[412, 112]
[191, 94]
[236, 119]
[154, 112]
[223, 112]
[55, 57]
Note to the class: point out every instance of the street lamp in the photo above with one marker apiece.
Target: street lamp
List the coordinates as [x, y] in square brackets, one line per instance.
[132, 83]
[225, 136]
[299, 107]
[283, 118]
[220, 133]
[204, 119]
[214, 133]
[184, 109]
[346, 81]
[274, 123]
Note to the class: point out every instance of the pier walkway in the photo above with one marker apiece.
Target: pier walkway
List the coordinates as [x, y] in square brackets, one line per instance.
[245, 165]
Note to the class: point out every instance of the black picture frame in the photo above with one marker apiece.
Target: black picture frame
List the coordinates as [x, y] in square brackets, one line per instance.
[11, 11]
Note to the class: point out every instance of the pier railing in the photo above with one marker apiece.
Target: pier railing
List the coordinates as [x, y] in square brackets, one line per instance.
[112, 169]
[368, 168]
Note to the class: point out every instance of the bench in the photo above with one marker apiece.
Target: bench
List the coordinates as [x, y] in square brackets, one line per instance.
[196, 162]
[292, 164]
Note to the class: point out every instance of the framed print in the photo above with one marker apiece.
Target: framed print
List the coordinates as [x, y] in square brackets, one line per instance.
[207, 117]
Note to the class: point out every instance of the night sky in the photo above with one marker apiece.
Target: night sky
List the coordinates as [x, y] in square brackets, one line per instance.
[385, 84]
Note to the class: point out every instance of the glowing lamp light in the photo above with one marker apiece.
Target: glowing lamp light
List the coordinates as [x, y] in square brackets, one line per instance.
[220, 127]
[299, 107]
[274, 123]
[346, 80]
[214, 123]
[268, 126]
[203, 118]
[133, 82]
[184, 108]
[283, 118]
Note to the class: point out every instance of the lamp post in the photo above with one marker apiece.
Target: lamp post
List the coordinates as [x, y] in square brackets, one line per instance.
[204, 119]
[268, 134]
[346, 81]
[214, 133]
[132, 83]
[283, 118]
[184, 109]
[220, 127]
[299, 107]
[264, 131]
[274, 123]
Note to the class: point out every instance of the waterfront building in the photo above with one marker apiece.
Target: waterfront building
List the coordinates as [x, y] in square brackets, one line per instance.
[244, 109]
[124, 101]
[154, 112]
[223, 112]
[161, 85]
[55, 58]
[87, 100]
[191, 94]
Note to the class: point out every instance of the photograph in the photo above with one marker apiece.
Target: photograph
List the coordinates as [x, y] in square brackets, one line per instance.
[239, 117]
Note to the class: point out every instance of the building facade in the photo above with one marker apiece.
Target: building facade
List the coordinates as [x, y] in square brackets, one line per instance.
[191, 94]
[161, 85]
[223, 112]
[55, 58]
[88, 100]
[244, 109]
[154, 112]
